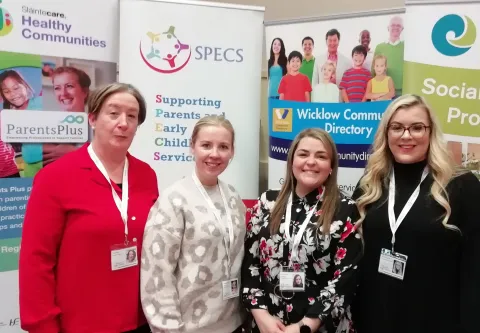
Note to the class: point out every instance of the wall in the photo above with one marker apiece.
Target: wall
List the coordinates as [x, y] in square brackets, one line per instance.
[283, 10]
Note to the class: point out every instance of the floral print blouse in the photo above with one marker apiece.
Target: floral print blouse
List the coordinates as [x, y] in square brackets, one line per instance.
[329, 262]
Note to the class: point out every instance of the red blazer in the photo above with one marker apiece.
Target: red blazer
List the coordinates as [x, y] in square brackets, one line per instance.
[71, 222]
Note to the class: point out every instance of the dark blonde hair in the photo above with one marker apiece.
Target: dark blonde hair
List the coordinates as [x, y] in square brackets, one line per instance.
[380, 56]
[331, 197]
[98, 96]
[212, 120]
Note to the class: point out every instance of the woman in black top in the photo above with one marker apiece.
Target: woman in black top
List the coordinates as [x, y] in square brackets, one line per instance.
[302, 250]
[425, 276]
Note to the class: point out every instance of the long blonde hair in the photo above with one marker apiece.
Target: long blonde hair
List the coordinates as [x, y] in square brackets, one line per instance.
[331, 197]
[380, 164]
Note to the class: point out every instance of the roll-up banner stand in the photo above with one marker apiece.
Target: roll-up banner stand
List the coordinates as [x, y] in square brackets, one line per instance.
[351, 117]
[443, 65]
[51, 55]
[190, 59]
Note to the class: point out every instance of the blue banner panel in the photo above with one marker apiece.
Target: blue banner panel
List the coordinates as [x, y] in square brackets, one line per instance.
[347, 123]
[351, 125]
[279, 148]
[353, 156]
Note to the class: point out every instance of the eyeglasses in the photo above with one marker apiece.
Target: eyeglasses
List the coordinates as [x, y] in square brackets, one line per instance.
[416, 130]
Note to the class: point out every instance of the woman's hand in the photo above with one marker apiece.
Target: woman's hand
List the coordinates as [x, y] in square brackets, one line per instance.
[267, 323]
[294, 328]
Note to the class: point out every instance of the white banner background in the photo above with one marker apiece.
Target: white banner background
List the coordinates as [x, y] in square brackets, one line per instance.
[40, 28]
[224, 67]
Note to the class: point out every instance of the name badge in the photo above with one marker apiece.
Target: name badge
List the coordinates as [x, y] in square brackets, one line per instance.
[124, 256]
[291, 280]
[230, 289]
[392, 264]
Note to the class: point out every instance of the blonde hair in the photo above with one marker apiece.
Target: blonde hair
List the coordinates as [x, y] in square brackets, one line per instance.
[212, 120]
[380, 164]
[331, 64]
[332, 193]
[380, 56]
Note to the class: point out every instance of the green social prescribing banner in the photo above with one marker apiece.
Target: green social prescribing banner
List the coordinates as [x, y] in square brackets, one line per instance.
[454, 94]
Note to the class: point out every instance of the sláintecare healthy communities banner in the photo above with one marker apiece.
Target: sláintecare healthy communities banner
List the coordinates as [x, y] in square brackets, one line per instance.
[52, 53]
[190, 59]
[351, 67]
[443, 65]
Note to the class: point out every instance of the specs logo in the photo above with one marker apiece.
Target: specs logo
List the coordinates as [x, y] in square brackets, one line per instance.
[163, 52]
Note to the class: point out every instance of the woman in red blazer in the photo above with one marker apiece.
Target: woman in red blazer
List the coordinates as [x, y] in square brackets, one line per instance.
[83, 228]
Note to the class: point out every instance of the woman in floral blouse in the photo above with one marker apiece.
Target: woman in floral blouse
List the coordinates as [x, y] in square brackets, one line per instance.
[324, 251]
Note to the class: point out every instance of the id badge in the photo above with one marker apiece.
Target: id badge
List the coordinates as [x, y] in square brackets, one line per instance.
[230, 289]
[392, 264]
[291, 280]
[124, 256]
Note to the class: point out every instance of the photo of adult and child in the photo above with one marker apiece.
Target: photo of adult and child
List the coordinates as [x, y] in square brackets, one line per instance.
[367, 73]
[33, 82]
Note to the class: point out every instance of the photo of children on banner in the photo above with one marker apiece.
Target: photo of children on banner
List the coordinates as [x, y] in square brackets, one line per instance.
[381, 86]
[16, 94]
[326, 91]
[295, 86]
[342, 63]
[308, 62]
[277, 66]
[355, 79]
[393, 50]
[365, 39]
[384, 62]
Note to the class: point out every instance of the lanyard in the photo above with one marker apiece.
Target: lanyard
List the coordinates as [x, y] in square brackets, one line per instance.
[394, 224]
[227, 239]
[122, 204]
[298, 236]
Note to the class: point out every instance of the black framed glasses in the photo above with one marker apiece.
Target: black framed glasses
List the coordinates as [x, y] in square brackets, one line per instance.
[416, 130]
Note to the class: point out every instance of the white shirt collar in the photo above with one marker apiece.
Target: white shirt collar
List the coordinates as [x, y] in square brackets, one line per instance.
[394, 43]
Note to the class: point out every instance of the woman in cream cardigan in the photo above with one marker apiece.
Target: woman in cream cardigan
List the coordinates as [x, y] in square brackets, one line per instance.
[194, 243]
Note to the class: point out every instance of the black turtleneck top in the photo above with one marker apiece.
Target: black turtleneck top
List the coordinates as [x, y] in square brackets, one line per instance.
[440, 291]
